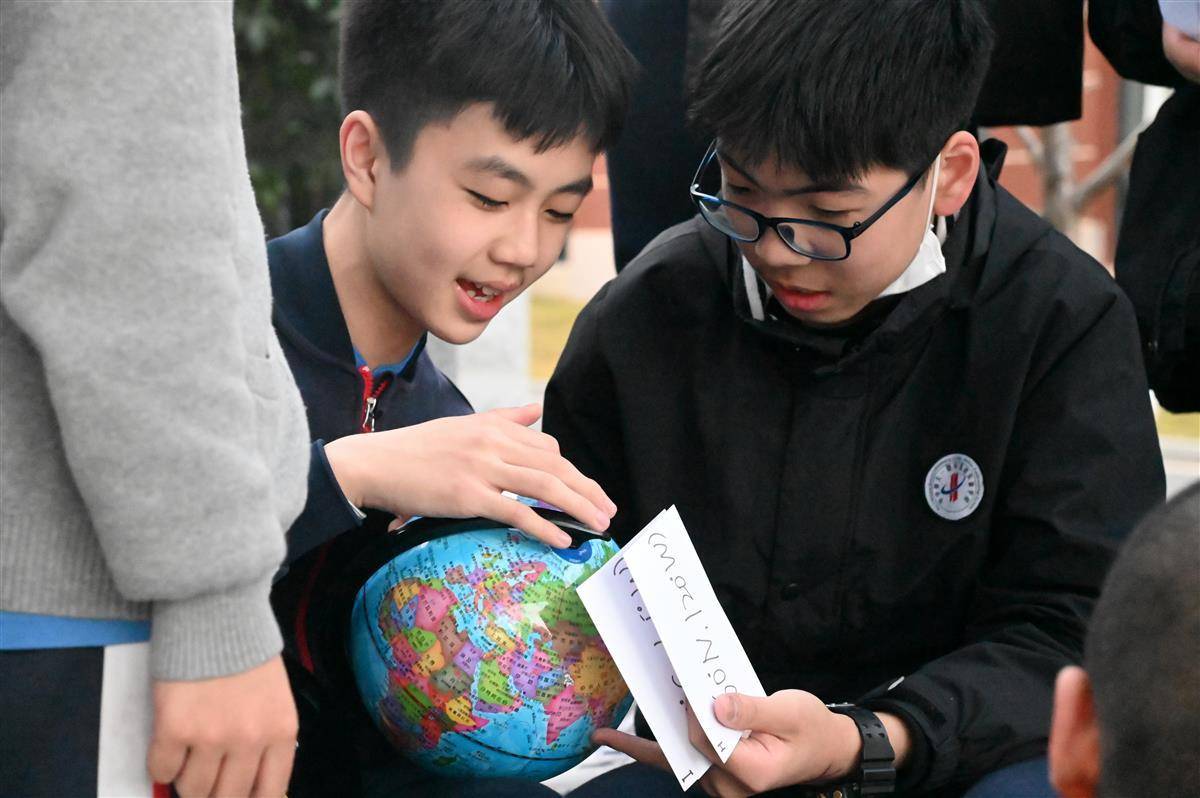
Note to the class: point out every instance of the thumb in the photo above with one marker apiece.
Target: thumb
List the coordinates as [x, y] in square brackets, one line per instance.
[524, 415]
[737, 711]
[731, 711]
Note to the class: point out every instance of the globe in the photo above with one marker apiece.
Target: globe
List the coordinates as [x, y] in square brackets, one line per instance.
[475, 656]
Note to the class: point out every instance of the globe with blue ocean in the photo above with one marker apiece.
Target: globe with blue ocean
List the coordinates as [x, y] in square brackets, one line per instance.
[475, 656]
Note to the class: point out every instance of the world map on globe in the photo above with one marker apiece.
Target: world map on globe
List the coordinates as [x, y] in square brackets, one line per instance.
[475, 656]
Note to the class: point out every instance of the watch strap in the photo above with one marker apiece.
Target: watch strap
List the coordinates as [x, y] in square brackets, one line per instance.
[877, 768]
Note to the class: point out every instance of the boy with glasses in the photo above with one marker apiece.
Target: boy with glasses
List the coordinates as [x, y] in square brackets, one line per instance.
[903, 419]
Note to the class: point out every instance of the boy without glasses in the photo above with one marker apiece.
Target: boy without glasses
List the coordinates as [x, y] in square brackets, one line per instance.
[903, 419]
[470, 133]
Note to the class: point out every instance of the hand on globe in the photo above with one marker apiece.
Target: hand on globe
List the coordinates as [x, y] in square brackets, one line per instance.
[458, 467]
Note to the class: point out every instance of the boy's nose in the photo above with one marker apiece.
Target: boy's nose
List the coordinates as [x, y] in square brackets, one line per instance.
[771, 250]
[519, 245]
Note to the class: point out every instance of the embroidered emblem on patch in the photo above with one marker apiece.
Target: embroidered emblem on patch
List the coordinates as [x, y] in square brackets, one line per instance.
[954, 487]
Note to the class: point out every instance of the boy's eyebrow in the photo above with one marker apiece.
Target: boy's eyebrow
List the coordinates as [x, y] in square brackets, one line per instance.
[503, 169]
[829, 186]
[581, 187]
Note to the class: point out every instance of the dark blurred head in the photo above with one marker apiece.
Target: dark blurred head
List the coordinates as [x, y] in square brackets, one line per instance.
[1130, 724]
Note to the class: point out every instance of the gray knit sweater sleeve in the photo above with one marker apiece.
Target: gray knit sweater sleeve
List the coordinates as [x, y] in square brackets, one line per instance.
[154, 444]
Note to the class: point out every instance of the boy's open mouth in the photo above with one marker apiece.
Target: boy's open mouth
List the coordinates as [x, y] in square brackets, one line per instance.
[478, 292]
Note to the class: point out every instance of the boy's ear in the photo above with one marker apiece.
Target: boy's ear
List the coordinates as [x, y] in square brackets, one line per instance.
[363, 156]
[1074, 736]
[956, 177]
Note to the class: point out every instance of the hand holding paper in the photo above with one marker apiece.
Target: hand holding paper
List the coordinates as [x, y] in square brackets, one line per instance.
[661, 621]
[794, 739]
[615, 606]
[703, 648]
[664, 627]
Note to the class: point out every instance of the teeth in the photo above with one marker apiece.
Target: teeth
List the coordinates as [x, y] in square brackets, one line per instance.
[481, 293]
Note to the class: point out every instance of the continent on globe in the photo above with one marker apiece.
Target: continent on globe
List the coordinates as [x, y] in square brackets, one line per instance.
[475, 656]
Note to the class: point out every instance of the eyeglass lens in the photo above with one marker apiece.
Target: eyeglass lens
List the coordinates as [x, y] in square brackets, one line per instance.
[806, 239]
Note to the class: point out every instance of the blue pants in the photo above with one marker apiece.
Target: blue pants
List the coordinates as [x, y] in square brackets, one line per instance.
[1030, 778]
[1023, 780]
[50, 721]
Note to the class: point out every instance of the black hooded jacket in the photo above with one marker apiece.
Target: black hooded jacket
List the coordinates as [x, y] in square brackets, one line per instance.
[800, 463]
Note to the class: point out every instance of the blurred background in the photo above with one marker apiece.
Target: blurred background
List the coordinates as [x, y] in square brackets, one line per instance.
[1073, 172]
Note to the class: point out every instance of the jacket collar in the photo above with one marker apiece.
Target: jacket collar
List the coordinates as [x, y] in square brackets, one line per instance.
[306, 307]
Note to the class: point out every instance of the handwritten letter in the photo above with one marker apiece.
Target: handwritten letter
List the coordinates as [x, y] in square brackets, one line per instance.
[662, 623]
[704, 650]
[615, 605]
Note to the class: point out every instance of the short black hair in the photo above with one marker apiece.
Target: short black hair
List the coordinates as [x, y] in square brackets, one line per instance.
[1143, 656]
[836, 87]
[554, 69]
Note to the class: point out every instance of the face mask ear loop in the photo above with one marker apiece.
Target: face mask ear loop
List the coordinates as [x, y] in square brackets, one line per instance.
[933, 191]
[928, 263]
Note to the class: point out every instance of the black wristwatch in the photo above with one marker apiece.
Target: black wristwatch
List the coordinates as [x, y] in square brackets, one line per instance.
[877, 768]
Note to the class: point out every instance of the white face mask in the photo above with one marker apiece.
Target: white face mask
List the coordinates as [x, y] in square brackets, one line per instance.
[929, 262]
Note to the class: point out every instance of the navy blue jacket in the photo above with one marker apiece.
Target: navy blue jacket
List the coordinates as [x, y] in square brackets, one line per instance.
[310, 599]
[313, 333]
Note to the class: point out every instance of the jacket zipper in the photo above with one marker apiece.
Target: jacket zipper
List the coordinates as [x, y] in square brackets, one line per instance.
[370, 397]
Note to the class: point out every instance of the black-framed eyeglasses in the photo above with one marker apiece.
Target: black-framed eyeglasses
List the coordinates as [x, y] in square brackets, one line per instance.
[809, 237]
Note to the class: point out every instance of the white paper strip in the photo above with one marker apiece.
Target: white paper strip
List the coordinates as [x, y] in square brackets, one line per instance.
[615, 606]
[704, 651]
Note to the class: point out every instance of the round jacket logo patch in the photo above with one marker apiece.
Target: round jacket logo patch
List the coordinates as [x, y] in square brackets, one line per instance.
[954, 486]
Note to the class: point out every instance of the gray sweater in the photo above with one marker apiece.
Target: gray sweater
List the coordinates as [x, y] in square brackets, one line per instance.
[154, 447]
